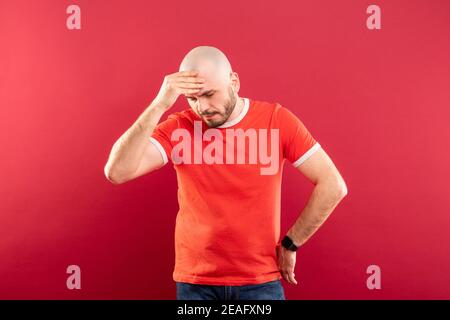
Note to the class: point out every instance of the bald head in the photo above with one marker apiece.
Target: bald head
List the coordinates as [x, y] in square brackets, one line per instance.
[215, 102]
[210, 62]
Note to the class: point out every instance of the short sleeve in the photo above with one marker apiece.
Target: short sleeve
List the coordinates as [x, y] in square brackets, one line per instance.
[297, 142]
[160, 137]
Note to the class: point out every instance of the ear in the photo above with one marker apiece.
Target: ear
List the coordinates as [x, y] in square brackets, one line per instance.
[235, 83]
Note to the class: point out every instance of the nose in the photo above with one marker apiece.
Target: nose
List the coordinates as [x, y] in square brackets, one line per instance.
[202, 106]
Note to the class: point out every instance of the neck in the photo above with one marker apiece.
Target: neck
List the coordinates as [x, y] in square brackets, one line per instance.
[237, 109]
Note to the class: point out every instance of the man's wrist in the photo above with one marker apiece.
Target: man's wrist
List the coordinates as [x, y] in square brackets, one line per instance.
[295, 239]
[289, 244]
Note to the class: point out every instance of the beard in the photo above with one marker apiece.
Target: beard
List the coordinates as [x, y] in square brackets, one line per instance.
[221, 117]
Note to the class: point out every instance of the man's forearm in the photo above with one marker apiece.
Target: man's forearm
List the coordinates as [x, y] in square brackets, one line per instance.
[324, 198]
[128, 150]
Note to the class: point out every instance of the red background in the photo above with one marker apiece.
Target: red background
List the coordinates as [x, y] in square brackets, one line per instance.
[376, 100]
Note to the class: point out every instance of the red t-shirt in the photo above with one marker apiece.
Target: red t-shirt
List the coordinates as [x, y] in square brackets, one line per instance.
[228, 223]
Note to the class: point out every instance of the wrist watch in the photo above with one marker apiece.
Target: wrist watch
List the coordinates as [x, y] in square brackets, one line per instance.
[288, 244]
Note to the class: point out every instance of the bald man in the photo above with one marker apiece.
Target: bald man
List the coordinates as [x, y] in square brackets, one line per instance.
[227, 235]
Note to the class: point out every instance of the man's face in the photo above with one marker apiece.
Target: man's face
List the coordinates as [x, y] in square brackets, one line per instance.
[214, 103]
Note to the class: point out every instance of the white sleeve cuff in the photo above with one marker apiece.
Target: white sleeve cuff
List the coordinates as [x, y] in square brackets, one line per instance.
[306, 155]
[160, 148]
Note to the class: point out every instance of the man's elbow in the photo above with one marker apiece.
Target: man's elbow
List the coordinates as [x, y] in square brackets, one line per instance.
[334, 190]
[111, 176]
[340, 189]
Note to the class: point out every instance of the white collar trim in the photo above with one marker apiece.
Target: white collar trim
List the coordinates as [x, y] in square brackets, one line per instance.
[238, 118]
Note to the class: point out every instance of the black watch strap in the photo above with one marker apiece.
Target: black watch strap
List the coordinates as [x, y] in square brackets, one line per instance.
[288, 244]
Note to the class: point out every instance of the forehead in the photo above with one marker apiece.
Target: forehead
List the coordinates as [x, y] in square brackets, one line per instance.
[212, 78]
[211, 84]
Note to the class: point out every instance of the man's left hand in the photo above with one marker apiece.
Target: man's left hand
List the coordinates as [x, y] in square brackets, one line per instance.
[286, 263]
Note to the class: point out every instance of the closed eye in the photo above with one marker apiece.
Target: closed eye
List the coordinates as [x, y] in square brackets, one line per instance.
[206, 95]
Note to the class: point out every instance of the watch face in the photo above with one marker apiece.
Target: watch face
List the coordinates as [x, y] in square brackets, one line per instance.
[288, 244]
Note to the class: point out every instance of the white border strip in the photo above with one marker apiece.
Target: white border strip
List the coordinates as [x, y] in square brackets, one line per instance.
[239, 118]
[306, 155]
[160, 148]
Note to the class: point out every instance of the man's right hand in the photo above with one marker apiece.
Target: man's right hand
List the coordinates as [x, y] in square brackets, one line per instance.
[184, 82]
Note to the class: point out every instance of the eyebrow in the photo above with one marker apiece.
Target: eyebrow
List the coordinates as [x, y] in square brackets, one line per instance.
[204, 93]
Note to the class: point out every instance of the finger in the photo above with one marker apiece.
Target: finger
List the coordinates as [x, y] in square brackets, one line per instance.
[190, 80]
[188, 85]
[190, 73]
[292, 278]
[188, 91]
[285, 276]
